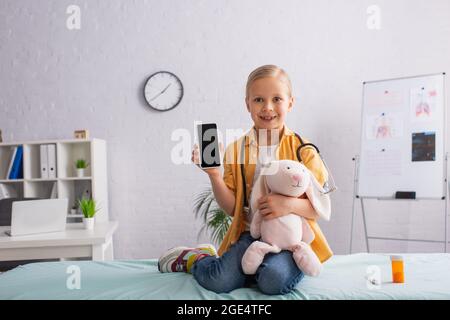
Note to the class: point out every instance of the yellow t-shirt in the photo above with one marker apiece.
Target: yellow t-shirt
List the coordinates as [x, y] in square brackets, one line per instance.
[245, 150]
[265, 155]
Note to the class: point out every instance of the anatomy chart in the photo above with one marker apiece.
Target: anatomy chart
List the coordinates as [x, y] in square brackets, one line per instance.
[402, 137]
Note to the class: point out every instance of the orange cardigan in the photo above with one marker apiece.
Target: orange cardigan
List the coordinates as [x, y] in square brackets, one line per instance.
[233, 179]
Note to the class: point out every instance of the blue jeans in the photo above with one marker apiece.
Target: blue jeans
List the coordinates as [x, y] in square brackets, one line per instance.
[278, 274]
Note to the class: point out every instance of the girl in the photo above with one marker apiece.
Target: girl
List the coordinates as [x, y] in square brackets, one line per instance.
[269, 100]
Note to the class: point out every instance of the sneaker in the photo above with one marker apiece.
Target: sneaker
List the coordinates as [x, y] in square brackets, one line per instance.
[181, 259]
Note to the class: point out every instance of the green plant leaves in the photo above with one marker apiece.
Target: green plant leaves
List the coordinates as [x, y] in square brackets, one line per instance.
[88, 207]
[81, 164]
[214, 218]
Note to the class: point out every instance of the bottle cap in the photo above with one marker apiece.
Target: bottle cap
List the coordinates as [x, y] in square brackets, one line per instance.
[396, 258]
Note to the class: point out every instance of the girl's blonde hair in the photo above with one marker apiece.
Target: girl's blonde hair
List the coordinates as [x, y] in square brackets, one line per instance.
[268, 71]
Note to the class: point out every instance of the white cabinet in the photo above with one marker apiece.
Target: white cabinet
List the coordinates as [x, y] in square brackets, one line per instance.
[65, 184]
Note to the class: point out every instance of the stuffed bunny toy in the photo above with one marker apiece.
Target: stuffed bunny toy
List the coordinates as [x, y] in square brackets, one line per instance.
[289, 232]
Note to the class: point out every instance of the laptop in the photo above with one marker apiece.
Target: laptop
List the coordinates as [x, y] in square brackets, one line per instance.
[38, 216]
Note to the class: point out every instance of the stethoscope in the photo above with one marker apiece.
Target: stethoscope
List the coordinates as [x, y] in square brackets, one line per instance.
[328, 187]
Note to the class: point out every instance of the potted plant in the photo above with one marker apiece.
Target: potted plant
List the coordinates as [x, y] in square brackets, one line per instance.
[81, 165]
[215, 220]
[89, 208]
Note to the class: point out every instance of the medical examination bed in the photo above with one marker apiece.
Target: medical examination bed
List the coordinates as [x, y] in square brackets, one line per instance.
[427, 276]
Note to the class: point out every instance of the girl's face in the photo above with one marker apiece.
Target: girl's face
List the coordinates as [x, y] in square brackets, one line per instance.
[269, 102]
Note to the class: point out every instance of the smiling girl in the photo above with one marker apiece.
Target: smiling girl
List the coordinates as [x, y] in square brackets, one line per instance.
[269, 100]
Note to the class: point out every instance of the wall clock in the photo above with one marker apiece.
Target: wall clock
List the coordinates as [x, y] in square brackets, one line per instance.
[163, 91]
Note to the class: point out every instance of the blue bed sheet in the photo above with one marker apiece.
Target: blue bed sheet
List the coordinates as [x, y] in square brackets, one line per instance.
[427, 276]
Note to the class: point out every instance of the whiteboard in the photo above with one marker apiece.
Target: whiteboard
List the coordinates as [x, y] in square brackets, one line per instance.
[403, 137]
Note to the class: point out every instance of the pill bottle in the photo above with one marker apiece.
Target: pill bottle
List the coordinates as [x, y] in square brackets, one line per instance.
[398, 274]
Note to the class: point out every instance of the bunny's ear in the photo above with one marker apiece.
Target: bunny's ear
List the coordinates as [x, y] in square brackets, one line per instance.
[320, 202]
[260, 189]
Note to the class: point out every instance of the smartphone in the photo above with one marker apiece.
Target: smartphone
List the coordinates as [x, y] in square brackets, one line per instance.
[208, 139]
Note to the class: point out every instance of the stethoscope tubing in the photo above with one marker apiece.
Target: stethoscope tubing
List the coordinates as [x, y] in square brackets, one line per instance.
[299, 158]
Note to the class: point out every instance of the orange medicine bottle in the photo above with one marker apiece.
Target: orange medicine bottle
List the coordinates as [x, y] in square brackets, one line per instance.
[398, 273]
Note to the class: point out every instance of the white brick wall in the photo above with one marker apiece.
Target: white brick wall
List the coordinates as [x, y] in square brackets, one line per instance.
[53, 81]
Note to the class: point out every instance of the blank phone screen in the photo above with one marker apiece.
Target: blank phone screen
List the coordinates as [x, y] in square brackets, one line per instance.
[209, 145]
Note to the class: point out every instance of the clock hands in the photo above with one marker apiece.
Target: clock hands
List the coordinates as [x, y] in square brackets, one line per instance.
[164, 90]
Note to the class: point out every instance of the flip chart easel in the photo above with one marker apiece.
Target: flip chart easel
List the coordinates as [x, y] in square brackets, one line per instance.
[402, 155]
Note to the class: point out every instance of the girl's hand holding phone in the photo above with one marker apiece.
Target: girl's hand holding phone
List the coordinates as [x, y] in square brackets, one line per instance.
[215, 171]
